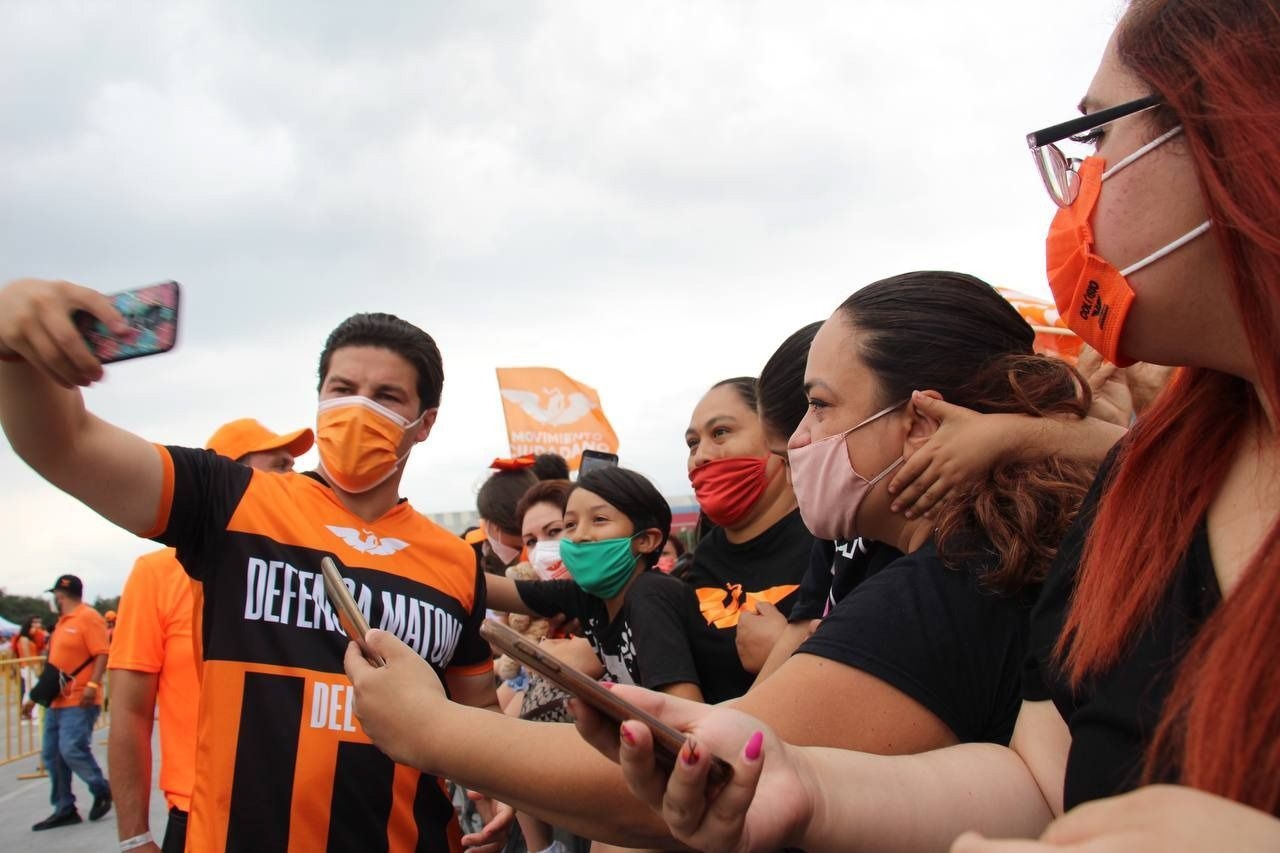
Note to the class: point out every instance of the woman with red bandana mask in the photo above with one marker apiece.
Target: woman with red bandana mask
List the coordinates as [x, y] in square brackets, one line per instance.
[758, 548]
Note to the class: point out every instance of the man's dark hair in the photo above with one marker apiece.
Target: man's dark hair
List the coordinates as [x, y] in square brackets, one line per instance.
[550, 466]
[636, 498]
[400, 337]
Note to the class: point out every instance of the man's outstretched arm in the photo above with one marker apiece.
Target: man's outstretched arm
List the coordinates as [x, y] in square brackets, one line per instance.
[114, 472]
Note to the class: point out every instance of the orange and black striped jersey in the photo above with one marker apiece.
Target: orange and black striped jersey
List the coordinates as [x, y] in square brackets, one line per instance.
[282, 763]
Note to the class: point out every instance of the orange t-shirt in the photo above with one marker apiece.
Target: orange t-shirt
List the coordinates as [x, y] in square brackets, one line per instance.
[79, 636]
[154, 635]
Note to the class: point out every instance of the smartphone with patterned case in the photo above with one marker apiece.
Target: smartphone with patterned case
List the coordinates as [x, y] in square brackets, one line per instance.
[152, 314]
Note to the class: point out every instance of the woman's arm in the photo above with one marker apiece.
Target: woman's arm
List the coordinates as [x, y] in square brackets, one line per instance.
[1148, 820]
[819, 798]
[801, 699]
[403, 707]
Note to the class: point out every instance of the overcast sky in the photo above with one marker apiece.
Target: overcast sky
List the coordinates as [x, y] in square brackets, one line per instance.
[649, 196]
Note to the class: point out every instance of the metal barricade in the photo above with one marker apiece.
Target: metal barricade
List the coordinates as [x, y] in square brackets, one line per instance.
[23, 736]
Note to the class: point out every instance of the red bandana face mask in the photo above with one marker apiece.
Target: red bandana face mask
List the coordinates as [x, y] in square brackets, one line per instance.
[728, 489]
[1093, 297]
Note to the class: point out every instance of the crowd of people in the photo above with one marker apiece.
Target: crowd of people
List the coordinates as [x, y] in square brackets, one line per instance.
[945, 590]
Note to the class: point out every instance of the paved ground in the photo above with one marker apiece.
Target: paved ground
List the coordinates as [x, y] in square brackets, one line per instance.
[23, 802]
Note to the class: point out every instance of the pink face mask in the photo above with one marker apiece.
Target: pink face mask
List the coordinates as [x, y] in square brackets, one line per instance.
[827, 488]
[504, 552]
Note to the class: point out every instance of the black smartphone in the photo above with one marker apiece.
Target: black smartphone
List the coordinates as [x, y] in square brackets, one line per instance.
[344, 607]
[152, 314]
[666, 740]
[592, 459]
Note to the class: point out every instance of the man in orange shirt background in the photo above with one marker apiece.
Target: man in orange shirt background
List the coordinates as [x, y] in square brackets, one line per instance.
[153, 659]
[79, 640]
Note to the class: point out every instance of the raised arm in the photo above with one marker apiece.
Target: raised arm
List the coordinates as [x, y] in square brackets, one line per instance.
[112, 471]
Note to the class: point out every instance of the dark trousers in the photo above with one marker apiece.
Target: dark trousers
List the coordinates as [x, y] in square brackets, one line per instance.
[175, 834]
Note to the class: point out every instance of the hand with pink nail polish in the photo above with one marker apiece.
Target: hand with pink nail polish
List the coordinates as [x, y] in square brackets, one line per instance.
[766, 805]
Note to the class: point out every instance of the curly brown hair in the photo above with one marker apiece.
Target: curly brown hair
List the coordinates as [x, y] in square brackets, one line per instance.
[953, 333]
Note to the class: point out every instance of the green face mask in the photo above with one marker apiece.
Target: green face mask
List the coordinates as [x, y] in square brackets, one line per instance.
[601, 568]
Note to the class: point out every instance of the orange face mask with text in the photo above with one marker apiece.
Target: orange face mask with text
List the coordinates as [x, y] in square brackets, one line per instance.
[1093, 297]
[359, 442]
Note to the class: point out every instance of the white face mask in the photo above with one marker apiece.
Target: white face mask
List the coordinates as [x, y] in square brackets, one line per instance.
[53, 606]
[545, 559]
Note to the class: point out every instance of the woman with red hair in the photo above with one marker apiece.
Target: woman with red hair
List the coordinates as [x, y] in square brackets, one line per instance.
[1151, 713]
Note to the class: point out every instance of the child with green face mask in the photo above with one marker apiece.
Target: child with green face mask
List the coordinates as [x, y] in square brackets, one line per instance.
[645, 626]
[602, 568]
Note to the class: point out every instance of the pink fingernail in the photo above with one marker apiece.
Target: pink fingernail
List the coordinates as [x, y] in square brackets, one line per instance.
[754, 747]
[689, 753]
[627, 735]
[607, 685]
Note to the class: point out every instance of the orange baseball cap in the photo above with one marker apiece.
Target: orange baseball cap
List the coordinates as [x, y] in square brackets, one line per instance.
[238, 439]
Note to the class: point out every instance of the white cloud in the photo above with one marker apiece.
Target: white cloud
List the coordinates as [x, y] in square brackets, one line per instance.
[648, 196]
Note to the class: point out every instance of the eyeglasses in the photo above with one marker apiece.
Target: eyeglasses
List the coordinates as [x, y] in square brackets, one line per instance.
[1059, 172]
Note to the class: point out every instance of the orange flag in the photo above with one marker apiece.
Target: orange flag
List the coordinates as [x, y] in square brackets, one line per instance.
[547, 412]
[1052, 335]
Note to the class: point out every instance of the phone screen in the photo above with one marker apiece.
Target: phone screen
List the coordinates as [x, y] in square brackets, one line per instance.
[152, 314]
[592, 459]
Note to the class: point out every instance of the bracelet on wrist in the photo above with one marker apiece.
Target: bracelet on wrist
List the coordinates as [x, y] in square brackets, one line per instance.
[135, 842]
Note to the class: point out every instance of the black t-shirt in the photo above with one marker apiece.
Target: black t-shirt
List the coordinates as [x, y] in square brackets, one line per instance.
[1113, 717]
[935, 634]
[768, 567]
[658, 637]
[835, 568]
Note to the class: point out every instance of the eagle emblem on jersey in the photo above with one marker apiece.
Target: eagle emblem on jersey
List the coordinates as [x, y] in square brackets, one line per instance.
[367, 542]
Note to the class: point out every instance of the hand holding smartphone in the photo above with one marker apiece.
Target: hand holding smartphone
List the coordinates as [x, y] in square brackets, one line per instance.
[152, 315]
[344, 607]
[667, 741]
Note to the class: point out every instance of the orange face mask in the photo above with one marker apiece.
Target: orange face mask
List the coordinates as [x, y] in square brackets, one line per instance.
[359, 442]
[1093, 297]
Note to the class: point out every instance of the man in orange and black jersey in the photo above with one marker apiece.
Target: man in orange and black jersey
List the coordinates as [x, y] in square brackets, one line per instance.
[153, 662]
[283, 762]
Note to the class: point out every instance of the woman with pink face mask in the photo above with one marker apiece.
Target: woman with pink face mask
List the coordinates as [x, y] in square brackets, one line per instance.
[498, 543]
